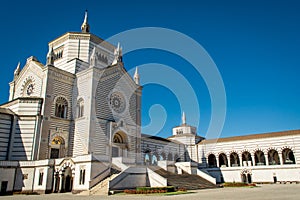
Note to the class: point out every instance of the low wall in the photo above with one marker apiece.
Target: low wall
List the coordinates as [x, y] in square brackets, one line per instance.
[155, 179]
[259, 174]
[130, 179]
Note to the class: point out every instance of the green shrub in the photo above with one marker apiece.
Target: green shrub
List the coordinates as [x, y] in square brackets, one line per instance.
[167, 189]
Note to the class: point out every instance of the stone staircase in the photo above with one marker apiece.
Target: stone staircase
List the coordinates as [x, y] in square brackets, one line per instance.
[184, 180]
[102, 187]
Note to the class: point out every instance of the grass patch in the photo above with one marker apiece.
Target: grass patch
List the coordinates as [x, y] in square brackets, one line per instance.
[239, 184]
[157, 194]
[176, 193]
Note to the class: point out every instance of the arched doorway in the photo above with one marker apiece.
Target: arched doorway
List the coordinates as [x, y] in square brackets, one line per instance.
[246, 176]
[63, 180]
[57, 149]
[119, 145]
[68, 180]
[249, 177]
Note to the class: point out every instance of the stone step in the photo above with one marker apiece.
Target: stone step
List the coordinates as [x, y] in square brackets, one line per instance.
[185, 180]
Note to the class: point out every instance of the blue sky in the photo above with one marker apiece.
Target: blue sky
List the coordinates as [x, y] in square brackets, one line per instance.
[255, 45]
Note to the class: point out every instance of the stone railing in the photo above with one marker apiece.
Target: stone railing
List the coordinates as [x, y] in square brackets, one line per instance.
[156, 180]
[206, 176]
[118, 161]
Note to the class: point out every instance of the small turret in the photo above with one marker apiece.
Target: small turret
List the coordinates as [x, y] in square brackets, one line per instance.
[17, 71]
[136, 76]
[117, 54]
[85, 27]
[50, 57]
[93, 58]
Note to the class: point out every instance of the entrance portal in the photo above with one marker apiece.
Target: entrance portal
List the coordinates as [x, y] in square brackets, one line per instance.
[57, 148]
[63, 181]
[115, 152]
[3, 187]
[119, 145]
[246, 178]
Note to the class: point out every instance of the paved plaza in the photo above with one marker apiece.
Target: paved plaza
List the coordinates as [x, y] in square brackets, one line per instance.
[264, 192]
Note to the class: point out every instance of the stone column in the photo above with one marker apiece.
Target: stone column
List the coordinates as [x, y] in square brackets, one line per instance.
[241, 160]
[72, 180]
[266, 158]
[54, 183]
[218, 161]
[280, 158]
[228, 160]
[253, 159]
[61, 182]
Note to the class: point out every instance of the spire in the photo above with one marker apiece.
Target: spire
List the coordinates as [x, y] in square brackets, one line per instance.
[17, 70]
[136, 76]
[85, 27]
[50, 56]
[93, 60]
[117, 54]
[183, 118]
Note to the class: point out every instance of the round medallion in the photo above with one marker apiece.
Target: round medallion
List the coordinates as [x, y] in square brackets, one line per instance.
[28, 87]
[117, 102]
[29, 90]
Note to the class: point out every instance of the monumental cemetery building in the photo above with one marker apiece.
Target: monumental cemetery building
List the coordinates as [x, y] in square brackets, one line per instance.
[73, 124]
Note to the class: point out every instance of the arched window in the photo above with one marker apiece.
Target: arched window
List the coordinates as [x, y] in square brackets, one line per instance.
[61, 107]
[162, 156]
[154, 160]
[147, 158]
[288, 156]
[273, 157]
[234, 160]
[246, 159]
[223, 160]
[259, 157]
[80, 108]
[118, 139]
[212, 161]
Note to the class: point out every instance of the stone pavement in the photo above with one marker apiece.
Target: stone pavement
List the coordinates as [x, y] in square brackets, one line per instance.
[264, 192]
